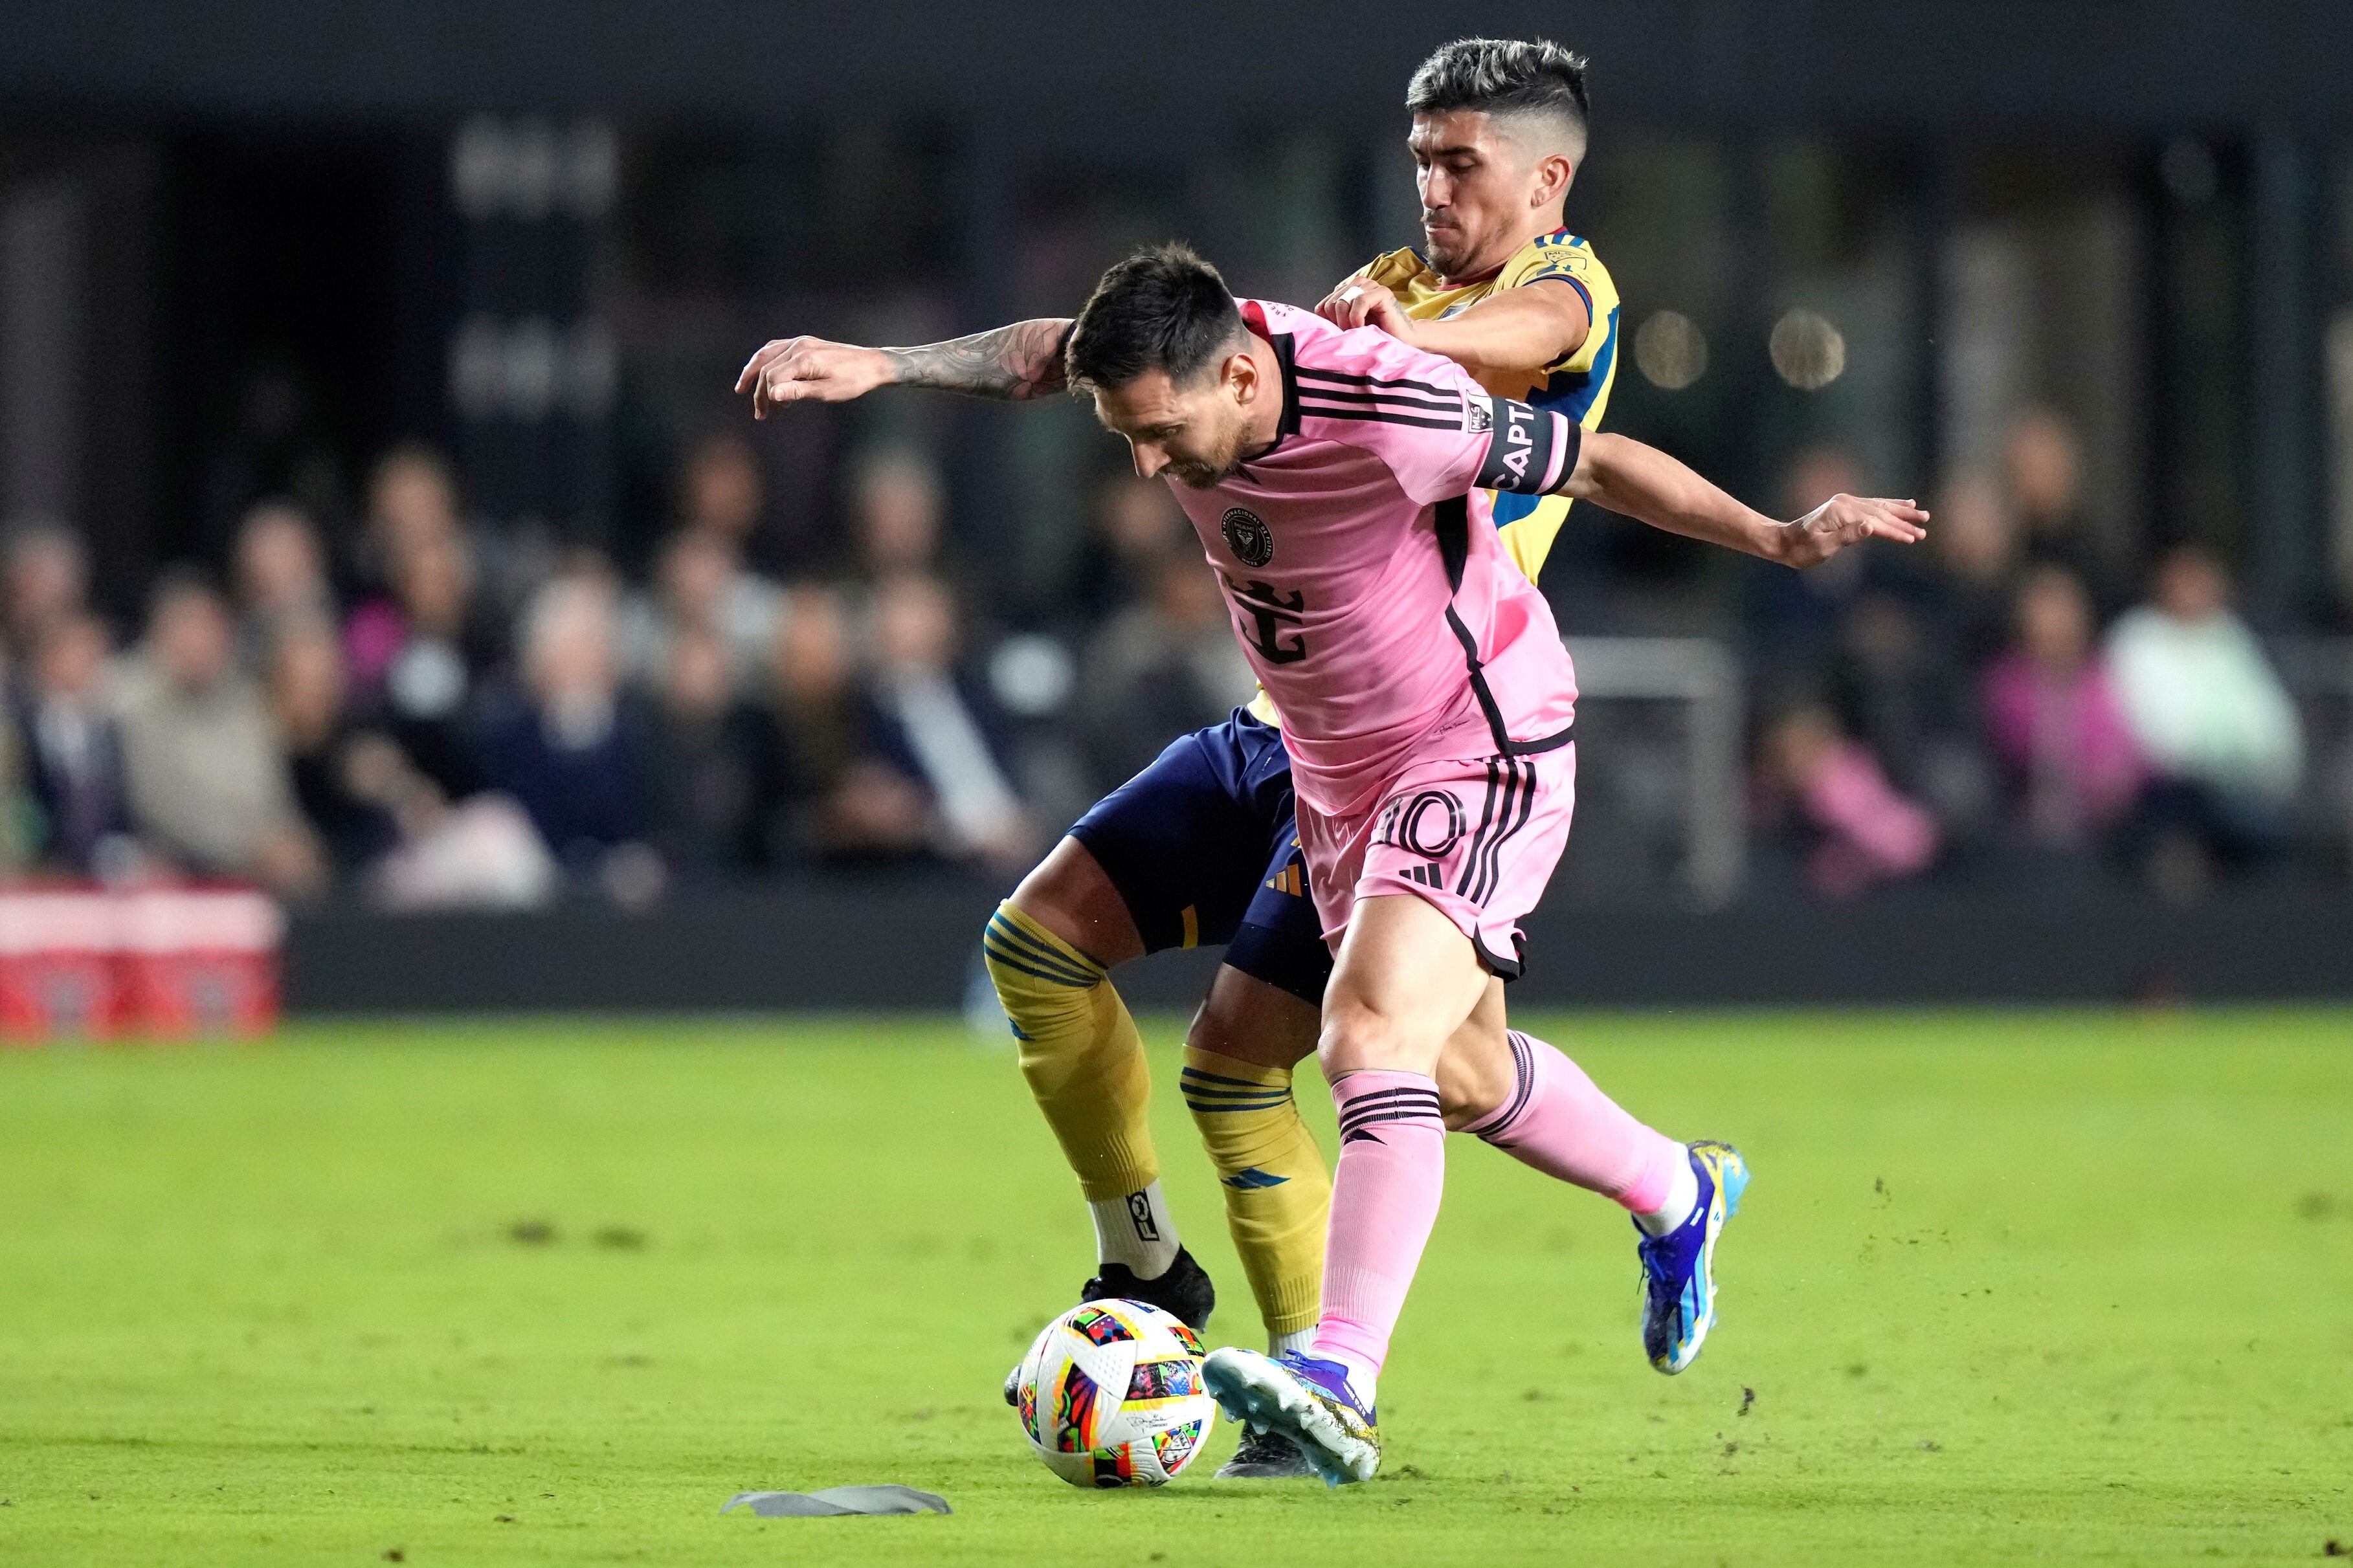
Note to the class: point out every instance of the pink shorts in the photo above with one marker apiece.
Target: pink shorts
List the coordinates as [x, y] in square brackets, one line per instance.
[1477, 839]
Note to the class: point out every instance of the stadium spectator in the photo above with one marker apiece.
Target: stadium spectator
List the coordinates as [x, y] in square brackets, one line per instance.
[1160, 669]
[1911, 704]
[340, 780]
[567, 746]
[939, 724]
[828, 795]
[895, 514]
[418, 658]
[412, 499]
[1135, 523]
[707, 745]
[281, 575]
[1973, 545]
[1795, 615]
[723, 490]
[2053, 722]
[22, 825]
[2209, 713]
[72, 752]
[43, 575]
[1858, 831]
[701, 586]
[206, 782]
[2043, 465]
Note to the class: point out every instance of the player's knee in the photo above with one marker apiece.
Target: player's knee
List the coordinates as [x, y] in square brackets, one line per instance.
[1472, 1086]
[1250, 1021]
[1357, 1036]
[1045, 985]
[1070, 896]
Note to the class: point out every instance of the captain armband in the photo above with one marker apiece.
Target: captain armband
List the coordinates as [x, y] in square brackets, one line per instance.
[1530, 451]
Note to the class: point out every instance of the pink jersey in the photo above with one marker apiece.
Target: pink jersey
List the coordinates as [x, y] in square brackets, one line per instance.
[1367, 582]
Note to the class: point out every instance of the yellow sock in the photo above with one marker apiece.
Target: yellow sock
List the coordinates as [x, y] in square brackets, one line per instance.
[1278, 1193]
[1080, 1051]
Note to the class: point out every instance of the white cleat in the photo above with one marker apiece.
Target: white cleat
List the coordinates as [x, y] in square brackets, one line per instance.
[1303, 1398]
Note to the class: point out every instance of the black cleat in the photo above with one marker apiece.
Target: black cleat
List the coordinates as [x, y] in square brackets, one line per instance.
[1266, 1457]
[1184, 1293]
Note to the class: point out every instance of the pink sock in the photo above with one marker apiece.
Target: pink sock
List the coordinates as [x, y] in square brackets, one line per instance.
[1385, 1194]
[1558, 1121]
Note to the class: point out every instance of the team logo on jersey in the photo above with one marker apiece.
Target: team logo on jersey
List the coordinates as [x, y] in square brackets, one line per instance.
[1248, 536]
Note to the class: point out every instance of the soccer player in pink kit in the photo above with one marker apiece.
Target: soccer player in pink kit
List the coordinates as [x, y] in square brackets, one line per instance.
[1335, 477]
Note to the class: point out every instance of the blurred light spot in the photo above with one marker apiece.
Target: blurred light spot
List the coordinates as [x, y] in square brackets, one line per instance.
[1030, 675]
[533, 177]
[590, 170]
[2186, 167]
[1808, 352]
[479, 158]
[1670, 350]
[533, 367]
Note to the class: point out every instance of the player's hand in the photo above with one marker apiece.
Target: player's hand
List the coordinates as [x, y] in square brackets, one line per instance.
[1361, 303]
[1846, 519]
[811, 370]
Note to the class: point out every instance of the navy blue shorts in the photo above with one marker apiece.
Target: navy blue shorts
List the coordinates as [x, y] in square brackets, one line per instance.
[1202, 846]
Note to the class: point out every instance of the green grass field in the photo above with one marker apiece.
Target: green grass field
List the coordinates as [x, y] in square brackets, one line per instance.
[2054, 1287]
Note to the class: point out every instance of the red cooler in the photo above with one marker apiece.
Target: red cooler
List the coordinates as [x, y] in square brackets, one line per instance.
[201, 961]
[60, 970]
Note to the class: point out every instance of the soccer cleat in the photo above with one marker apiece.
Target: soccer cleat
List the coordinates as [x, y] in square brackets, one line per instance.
[1183, 1291]
[1679, 1267]
[1265, 1457]
[1305, 1399]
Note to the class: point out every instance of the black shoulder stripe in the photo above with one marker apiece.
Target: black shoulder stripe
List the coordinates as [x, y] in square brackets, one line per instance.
[1382, 415]
[1450, 405]
[1316, 374]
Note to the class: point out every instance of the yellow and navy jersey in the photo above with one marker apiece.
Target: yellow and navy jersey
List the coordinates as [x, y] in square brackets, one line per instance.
[1576, 385]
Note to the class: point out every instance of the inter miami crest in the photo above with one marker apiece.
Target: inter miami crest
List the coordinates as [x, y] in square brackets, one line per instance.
[1248, 536]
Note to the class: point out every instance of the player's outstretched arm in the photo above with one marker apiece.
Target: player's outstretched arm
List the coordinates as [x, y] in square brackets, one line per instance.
[1020, 361]
[1649, 486]
[1518, 330]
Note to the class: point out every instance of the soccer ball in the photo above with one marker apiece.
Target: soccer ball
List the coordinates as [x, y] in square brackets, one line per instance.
[1110, 1395]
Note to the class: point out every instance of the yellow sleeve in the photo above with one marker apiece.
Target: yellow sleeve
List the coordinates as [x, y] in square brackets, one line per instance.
[1571, 259]
[1576, 385]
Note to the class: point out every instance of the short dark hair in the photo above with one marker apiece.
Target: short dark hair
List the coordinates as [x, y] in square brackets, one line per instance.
[1162, 308]
[1504, 76]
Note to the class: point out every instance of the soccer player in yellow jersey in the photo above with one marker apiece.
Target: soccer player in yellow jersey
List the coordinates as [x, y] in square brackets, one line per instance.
[1199, 847]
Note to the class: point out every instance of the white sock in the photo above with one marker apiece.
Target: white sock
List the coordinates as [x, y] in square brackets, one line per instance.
[1682, 1196]
[1136, 1230]
[1299, 1340]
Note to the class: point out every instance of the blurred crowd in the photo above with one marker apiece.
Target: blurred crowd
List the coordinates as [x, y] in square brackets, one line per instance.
[2013, 701]
[425, 713]
[412, 708]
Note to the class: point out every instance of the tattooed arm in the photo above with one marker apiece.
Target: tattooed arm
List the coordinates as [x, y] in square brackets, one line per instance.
[1017, 362]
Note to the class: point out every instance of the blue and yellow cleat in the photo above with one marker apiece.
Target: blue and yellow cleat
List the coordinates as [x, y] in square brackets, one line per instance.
[1303, 1398]
[1679, 1267]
